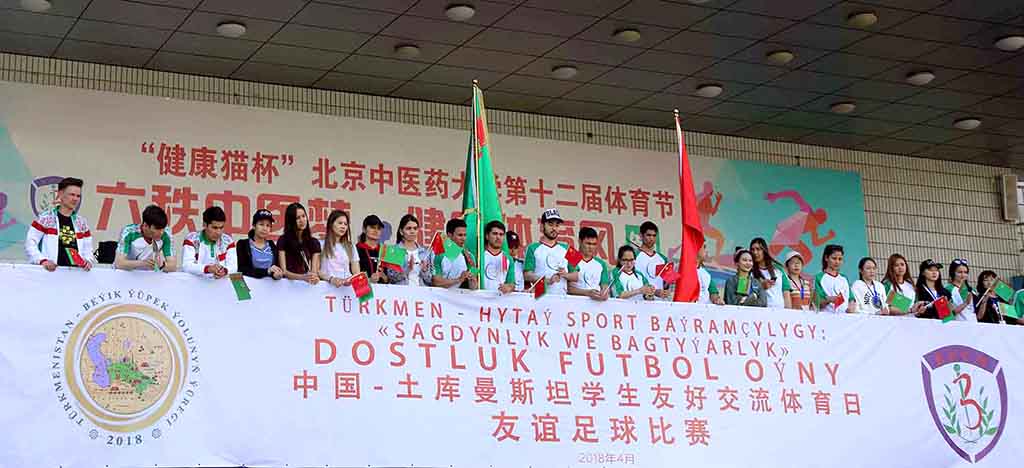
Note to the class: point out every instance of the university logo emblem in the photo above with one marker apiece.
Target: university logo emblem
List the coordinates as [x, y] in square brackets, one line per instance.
[128, 371]
[966, 393]
[43, 193]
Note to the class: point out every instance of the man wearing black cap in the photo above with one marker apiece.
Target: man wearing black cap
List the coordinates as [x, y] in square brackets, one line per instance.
[256, 253]
[546, 258]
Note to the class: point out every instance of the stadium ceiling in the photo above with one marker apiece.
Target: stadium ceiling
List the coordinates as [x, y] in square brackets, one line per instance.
[918, 73]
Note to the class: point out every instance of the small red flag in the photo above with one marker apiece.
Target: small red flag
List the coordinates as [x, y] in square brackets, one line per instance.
[573, 256]
[437, 244]
[942, 309]
[840, 299]
[667, 272]
[540, 288]
[75, 257]
[361, 287]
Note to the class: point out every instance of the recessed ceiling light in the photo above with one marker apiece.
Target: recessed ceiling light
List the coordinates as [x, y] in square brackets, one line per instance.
[709, 90]
[626, 35]
[862, 19]
[920, 78]
[563, 72]
[37, 6]
[1010, 43]
[781, 57]
[231, 29]
[843, 107]
[968, 123]
[407, 51]
[459, 12]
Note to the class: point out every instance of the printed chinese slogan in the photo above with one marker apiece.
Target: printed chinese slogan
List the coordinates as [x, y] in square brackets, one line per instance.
[130, 369]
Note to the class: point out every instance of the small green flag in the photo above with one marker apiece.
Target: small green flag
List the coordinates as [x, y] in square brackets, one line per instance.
[1009, 311]
[965, 292]
[1004, 291]
[900, 302]
[451, 249]
[742, 284]
[393, 256]
[241, 289]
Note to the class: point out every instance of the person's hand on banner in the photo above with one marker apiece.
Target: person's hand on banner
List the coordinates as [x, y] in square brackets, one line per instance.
[276, 272]
[50, 266]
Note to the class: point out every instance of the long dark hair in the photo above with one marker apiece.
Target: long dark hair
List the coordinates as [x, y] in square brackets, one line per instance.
[829, 250]
[921, 284]
[981, 280]
[890, 270]
[330, 238]
[860, 267]
[768, 260]
[409, 218]
[371, 220]
[291, 223]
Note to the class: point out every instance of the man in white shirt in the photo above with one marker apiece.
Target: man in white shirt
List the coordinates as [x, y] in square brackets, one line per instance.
[649, 260]
[210, 252]
[146, 246]
[499, 269]
[452, 273]
[594, 273]
[546, 258]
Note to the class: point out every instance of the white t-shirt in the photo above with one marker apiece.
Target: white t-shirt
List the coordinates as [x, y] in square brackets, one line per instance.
[774, 295]
[595, 274]
[545, 260]
[827, 284]
[497, 270]
[623, 282]
[647, 265]
[520, 283]
[704, 277]
[450, 269]
[870, 297]
[338, 266]
[413, 275]
[966, 315]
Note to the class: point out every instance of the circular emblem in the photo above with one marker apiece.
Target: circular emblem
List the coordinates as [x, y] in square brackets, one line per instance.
[125, 364]
[493, 271]
[43, 193]
[591, 279]
[555, 262]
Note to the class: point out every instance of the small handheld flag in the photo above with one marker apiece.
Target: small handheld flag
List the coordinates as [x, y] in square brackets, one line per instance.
[1004, 291]
[539, 288]
[361, 287]
[437, 244]
[451, 249]
[899, 302]
[667, 272]
[75, 257]
[1008, 310]
[840, 299]
[573, 256]
[242, 291]
[743, 285]
[942, 309]
[393, 257]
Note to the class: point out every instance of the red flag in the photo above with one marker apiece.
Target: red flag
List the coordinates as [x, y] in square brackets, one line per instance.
[573, 256]
[839, 300]
[942, 309]
[667, 272]
[539, 288]
[361, 287]
[687, 285]
[437, 244]
[75, 257]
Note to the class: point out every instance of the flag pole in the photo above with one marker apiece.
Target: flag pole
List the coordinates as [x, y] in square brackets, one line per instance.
[476, 175]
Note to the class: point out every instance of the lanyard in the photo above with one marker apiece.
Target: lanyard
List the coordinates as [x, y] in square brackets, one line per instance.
[932, 293]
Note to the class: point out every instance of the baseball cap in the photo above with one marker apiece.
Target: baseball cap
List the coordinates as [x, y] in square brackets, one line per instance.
[791, 255]
[551, 215]
[929, 264]
[261, 215]
[513, 239]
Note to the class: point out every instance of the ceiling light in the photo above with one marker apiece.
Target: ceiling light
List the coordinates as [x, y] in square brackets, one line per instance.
[407, 51]
[231, 29]
[708, 90]
[843, 107]
[459, 12]
[920, 78]
[563, 72]
[968, 123]
[862, 19]
[627, 35]
[781, 57]
[37, 6]
[1010, 43]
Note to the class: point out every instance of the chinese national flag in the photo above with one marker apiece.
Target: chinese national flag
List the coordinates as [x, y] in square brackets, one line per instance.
[667, 272]
[540, 288]
[942, 309]
[361, 287]
[437, 244]
[840, 299]
[687, 285]
[573, 256]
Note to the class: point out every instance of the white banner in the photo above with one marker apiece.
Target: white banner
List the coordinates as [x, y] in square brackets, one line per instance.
[116, 369]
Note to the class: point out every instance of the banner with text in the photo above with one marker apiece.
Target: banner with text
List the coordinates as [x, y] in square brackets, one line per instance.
[149, 369]
[134, 151]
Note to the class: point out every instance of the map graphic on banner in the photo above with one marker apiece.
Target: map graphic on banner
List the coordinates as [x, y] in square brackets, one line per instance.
[186, 155]
[129, 369]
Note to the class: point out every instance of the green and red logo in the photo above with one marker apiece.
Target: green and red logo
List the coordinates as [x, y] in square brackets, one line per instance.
[966, 393]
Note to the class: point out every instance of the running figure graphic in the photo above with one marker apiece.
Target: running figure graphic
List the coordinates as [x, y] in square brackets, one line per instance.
[706, 208]
[789, 231]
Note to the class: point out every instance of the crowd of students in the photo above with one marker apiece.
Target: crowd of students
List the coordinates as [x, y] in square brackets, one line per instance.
[61, 237]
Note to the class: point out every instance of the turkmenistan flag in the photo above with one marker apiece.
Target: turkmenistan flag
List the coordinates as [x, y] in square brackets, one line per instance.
[480, 202]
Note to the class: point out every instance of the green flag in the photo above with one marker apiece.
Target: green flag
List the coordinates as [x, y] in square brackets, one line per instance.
[451, 249]
[480, 202]
[900, 302]
[393, 256]
[1009, 311]
[1004, 291]
[742, 284]
[241, 288]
